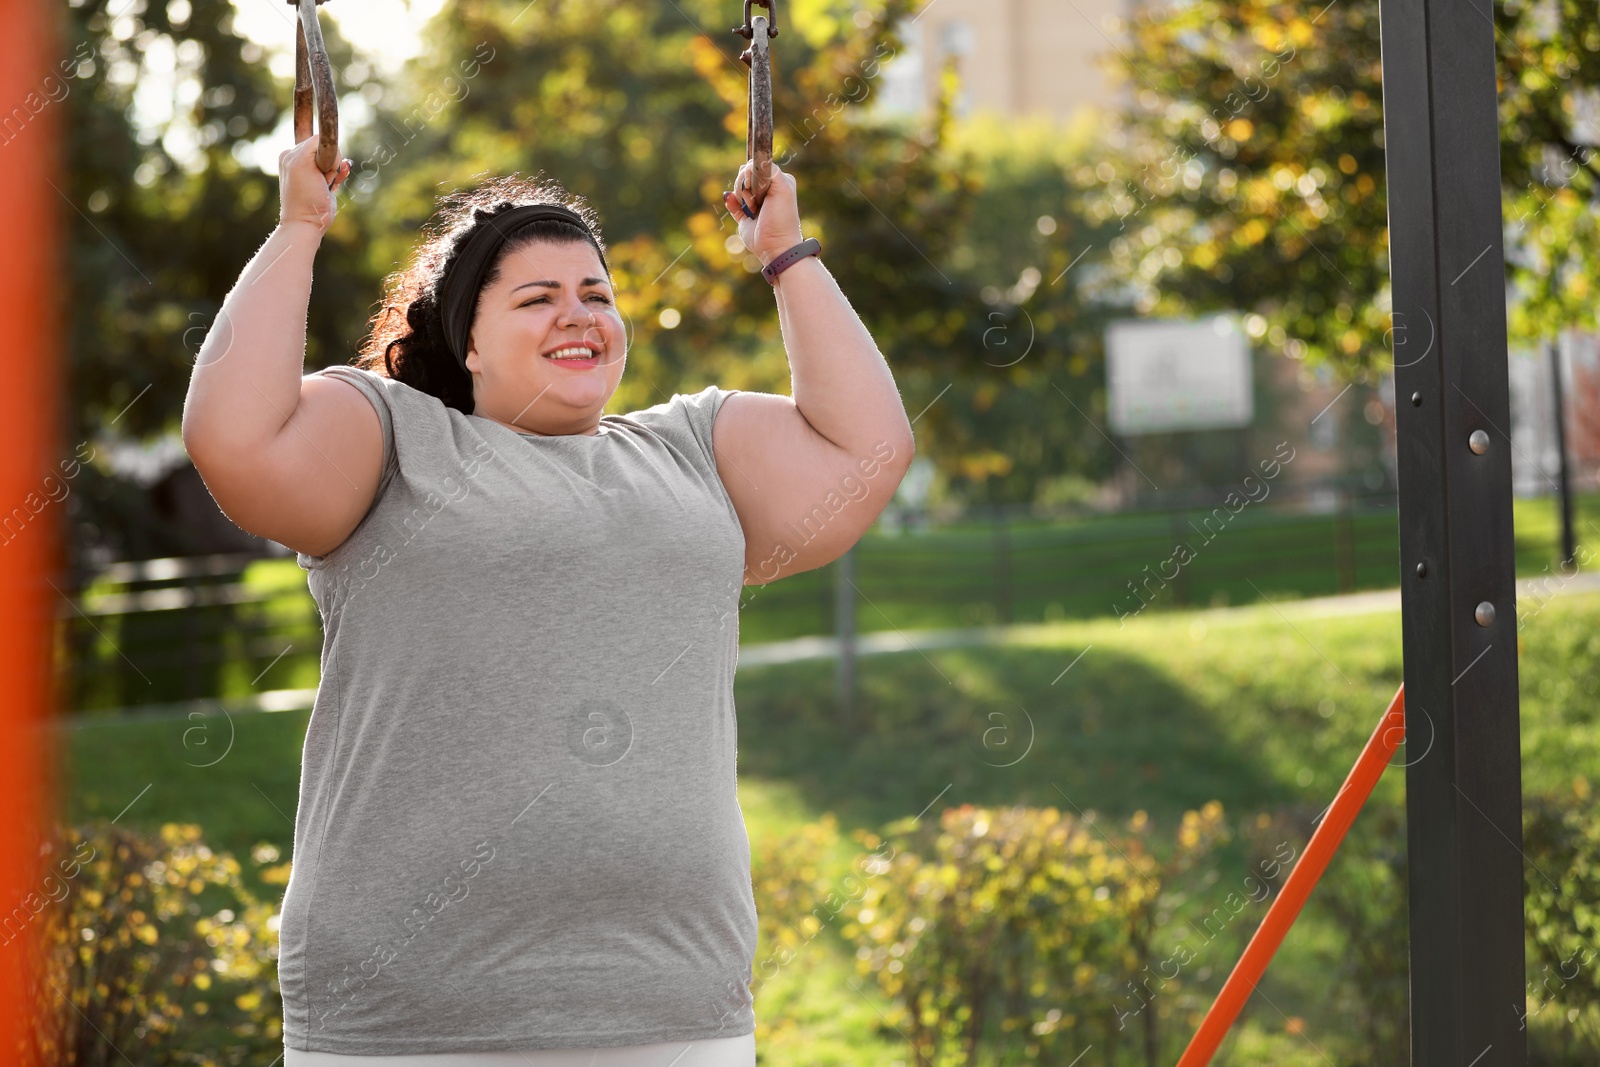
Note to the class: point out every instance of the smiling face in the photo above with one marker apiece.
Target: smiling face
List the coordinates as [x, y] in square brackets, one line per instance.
[550, 303]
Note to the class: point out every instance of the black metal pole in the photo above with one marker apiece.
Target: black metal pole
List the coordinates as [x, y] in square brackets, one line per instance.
[1569, 546]
[1002, 565]
[1458, 596]
[844, 628]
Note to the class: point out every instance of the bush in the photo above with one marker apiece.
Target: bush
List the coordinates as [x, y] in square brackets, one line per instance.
[1561, 840]
[795, 899]
[138, 935]
[1025, 927]
[1362, 895]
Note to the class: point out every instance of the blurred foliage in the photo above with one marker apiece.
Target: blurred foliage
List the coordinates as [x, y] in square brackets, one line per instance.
[1031, 927]
[1363, 895]
[158, 221]
[790, 873]
[1250, 172]
[1005, 926]
[1020, 422]
[1548, 58]
[801, 896]
[1561, 839]
[149, 949]
[1161, 716]
[1249, 176]
[935, 230]
[639, 108]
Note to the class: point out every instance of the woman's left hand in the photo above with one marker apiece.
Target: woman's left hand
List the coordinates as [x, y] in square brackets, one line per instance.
[776, 226]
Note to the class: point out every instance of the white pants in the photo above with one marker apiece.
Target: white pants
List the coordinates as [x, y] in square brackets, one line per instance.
[711, 1052]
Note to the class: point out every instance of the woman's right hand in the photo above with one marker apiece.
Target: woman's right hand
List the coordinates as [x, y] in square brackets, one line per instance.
[305, 193]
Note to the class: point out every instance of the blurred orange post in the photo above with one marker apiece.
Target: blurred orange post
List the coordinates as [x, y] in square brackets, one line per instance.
[1338, 819]
[29, 136]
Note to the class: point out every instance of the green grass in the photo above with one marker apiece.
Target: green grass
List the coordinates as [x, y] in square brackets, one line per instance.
[1163, 714]
[1537, 522]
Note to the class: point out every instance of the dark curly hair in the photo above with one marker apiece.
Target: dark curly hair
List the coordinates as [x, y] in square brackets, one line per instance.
[406, 338]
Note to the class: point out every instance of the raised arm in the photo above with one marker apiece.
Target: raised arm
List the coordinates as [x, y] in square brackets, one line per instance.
[809, 473]
[289, 458]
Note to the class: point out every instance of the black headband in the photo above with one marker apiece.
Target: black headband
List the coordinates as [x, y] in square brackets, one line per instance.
[457, 292]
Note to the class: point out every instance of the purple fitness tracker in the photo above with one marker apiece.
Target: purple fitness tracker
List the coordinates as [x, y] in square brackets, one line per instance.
[809, 247]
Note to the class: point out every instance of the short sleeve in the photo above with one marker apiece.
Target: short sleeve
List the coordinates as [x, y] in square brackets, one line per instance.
[701, 410]
[375, 388]
[379, 392]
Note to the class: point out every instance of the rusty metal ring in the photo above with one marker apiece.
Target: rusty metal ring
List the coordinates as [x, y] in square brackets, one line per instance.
[313, 87]
[747, 31]
[758, 139]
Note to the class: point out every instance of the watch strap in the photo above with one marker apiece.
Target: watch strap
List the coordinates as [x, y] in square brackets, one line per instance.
[782, 262]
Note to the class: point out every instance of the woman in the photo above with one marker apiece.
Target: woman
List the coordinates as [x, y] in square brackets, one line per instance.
[518, 838]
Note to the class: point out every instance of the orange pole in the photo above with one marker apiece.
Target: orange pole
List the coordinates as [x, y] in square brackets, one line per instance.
[1340, 815]
[29, 514]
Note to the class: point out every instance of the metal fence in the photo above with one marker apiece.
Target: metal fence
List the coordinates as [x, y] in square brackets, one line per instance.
[168, 630]
[160, 632]
[1003, 570]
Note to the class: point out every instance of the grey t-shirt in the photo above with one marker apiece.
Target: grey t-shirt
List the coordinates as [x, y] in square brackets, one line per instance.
[518, 823]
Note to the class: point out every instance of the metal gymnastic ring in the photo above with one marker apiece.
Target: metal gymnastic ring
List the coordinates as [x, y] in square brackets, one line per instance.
[313, 85]
[758, 57]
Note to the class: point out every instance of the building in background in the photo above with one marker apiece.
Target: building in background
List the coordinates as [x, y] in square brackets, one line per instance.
[1014, 57]
[165, 509]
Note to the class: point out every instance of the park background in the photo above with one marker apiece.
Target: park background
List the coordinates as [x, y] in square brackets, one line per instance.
[1093, 773]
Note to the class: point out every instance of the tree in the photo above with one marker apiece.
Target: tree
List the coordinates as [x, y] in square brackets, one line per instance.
[1549, 59]
[639, 107]
[1018, 424]
[158, 224]
[1250, 174]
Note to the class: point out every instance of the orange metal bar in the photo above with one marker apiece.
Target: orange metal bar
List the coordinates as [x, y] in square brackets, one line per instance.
[1340, 815]
[29, 271]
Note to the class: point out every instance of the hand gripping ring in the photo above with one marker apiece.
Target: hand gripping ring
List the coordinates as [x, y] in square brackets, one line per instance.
[313, 84]
[758, 57]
